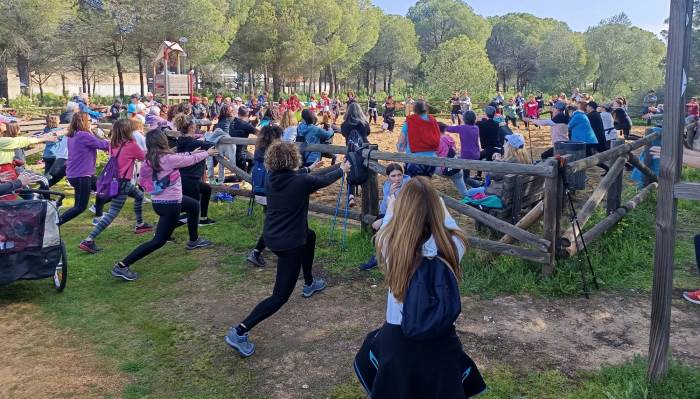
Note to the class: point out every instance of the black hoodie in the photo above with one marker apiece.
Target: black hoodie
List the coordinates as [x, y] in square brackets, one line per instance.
[286, 216]
[189, 144]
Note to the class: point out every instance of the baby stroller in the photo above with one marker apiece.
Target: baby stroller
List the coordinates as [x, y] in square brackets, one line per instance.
[30, 242]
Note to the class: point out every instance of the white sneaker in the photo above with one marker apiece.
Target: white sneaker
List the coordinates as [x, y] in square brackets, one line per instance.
[92, 209]
[96, 220]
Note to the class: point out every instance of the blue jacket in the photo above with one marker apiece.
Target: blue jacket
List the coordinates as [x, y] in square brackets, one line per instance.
[385, 190]
[580, 128]
[84, 108]
[312, 134]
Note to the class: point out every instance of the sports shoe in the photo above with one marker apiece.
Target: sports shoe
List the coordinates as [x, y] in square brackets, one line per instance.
[124, 273]
[255, 257]
[143, 228]
[200, 243]
[96, 220]
[89, 247]
[371, 264]
[92, 209]
[316, 286]
[240, 343]
[693, 296]
[206, 222]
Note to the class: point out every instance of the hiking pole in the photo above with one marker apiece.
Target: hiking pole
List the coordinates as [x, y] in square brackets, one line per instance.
[574, 222]
[337, 207]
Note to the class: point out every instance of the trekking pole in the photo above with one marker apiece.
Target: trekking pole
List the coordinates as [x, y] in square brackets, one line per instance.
[337, 207]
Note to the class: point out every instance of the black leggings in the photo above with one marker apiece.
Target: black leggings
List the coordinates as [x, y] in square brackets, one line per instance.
[260, 246]
[82, 187]
[57, 171]
[48, 162]
[199, 190]
[288, 265]
[169, 213]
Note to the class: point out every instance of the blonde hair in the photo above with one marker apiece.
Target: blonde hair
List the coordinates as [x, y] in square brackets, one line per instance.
[515, 155]
[399, 245]
[288, 119]
[52, 121]
[282, 156]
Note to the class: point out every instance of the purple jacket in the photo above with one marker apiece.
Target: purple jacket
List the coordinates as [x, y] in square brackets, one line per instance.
[82, 154]
[468, 140]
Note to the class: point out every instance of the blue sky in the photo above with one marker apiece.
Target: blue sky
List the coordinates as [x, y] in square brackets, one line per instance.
[647, 14]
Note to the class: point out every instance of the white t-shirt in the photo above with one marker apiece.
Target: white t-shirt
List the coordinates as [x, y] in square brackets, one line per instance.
[608, 125]
[394, 308]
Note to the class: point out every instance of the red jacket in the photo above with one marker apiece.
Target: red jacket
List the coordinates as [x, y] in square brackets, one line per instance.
[423, 135]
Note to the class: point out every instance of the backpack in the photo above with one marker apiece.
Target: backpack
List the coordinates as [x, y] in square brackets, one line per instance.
[359, 172]
[108, 183]
[259, 177]
[451, 154]
[432, 302]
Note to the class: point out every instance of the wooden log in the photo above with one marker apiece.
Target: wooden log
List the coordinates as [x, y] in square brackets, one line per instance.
[613, 153]
[594, 199]
[496, 223]
[614, 195]
[325, 148]
[370, 197]
[526, 221]
[508, 249]
[495, 167]
[677, 62]
[613, 218]
[689, 191]
[648, 173]
[235, 169]
[553, 205]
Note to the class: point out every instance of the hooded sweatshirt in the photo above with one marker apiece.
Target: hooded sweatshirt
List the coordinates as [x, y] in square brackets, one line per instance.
[580, 128]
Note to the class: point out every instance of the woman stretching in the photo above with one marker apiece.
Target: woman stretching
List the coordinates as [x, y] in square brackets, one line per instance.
[125, 149]
[80, 166]
[286, 232]
[168, 202]
[389, 364]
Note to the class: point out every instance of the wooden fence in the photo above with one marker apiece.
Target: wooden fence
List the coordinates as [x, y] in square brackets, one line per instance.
[545, 247]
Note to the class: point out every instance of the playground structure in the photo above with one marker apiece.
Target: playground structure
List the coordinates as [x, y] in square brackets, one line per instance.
[169, 81]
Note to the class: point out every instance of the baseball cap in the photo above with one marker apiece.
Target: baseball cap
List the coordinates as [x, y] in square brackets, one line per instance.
[560, 105]
[490, 111]
[516, 140]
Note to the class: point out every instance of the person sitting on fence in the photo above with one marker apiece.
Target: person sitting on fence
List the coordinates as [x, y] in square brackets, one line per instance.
[468, 143]
[127, 152]
[488, 135]
[447, 149]
[160, 173]
[392, 362]
[308, 132]
[395, 181]
[559, 126]
[192, 184]
[287, 234]
[622, 119]
[420, 135]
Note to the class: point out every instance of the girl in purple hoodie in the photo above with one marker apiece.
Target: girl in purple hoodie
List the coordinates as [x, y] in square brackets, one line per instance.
[80, 165]
[168, 202]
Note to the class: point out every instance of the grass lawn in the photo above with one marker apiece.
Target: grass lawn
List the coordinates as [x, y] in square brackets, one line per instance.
[163, 356]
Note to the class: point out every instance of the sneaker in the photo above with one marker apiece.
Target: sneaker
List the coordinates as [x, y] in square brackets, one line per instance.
[371, 264]
[200, 243]
[89, 247]
[206, 222]
[240, 343]
[96, 220]
[316, 286]
[171, 240]
[124, 273]
[255, 257]
[92, 209]
[693, 296]
[143, 228]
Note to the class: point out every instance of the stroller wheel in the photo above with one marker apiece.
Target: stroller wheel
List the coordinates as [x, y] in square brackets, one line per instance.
[61, 274]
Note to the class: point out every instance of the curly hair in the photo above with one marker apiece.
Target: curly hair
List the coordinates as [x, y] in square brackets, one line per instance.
[282, 156]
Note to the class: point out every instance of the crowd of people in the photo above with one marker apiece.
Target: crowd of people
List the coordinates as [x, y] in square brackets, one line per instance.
[167, 155]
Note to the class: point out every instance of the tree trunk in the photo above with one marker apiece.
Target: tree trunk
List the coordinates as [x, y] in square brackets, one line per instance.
[114, 85]
[367, 80]
[331, 80]
[83, 72]
[94, 83]
[139, 55]
[120, 70]
[251, 79]
[385, 90]
[64, 92]
[23, 73]
[266, 84]
[391, 75]
[41, 91]
[4, 90]
[374, 83]
[275, 81]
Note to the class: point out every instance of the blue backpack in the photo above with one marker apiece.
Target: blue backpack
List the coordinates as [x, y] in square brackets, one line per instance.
[259, 176]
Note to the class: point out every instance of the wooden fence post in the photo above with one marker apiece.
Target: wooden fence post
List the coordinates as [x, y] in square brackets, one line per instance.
[677, 61]
[553, 202]
[370, 196]
[614, 195]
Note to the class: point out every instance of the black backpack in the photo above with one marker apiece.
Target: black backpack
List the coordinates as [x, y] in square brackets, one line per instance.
[432, 302]
[359, 172]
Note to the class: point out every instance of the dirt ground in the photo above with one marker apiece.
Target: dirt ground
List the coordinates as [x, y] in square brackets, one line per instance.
[308, 346]
[43, 361]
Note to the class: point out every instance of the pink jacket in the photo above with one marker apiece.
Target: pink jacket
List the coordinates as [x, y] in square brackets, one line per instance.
[130, 153]
[170, 163]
